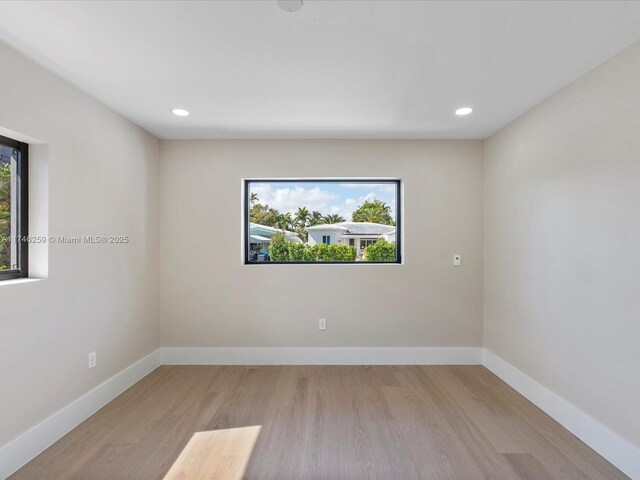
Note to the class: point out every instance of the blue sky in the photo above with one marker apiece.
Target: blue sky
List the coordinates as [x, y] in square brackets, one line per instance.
[339, 197]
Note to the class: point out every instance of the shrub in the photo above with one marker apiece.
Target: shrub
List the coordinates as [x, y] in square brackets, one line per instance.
[381, 251]
[342, 253]
[283, 251]
[331, 253]
[278, 251]
[297, 252]
[278, 238]
[318, 253]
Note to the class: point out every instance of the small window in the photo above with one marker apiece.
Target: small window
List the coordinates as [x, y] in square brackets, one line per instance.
[365, 243]
[13, 209]
[322, 221]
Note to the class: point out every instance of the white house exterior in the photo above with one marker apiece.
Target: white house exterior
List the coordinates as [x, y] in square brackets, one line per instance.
[357, 234]
[390, 237]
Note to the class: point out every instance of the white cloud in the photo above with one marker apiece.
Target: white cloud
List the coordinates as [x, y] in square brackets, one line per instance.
[290, 199]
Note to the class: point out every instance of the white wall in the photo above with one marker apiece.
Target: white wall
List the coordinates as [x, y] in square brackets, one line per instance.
[206, 297]
[103, 178]
[315, 236]
[561, 277]
[562, 238]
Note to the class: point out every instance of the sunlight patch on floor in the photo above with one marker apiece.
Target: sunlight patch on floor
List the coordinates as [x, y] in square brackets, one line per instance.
[215, 455]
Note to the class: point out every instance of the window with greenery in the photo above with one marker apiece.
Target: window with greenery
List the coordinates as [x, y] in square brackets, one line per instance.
[322, 221]
[13, 209]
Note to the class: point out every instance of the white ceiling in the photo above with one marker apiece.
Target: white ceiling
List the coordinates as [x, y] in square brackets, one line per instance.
[335, 69]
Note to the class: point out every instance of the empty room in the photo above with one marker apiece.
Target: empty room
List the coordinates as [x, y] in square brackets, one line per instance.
[320, 239]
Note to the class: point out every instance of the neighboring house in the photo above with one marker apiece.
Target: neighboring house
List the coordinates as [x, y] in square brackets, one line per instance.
[260, 237]
[357, 234]
[390, 237]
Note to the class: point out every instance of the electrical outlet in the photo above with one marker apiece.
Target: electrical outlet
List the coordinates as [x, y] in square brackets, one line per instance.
[322, 324]
[92, 359]
[457, 259]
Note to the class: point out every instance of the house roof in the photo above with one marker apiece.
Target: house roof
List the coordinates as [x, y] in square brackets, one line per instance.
[257, 226]
[356, 228]
[259, 239]
[327, 226]
[257, 230]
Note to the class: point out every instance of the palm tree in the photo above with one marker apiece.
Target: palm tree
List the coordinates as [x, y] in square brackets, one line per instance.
[253, 198]
[375, 211]
[333, 218]
[302, 217]
[371, 214]
[315, 218]
[284, 222]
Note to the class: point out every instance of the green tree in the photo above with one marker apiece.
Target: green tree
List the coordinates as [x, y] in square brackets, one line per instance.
[284, 222]
[374, 211]
[263, 215]
[302, 216]
[5, 215]
[381, 251]
[333, 218]
[253, 198]
[315, 218]
[302, 233]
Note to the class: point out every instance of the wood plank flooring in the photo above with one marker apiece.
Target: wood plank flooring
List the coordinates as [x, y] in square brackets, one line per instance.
[320, 422]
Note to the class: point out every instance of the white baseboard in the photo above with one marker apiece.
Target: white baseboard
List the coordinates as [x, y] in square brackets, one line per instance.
[321, 356]
[19, 451]
[620, 452]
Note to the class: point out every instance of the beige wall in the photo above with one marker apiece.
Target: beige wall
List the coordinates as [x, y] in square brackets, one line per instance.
[103, 178]
[209, 299]
[562, 233]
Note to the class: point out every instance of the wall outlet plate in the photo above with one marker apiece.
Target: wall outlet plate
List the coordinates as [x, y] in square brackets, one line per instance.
[322, 324]
[457, 260]
[92, 359]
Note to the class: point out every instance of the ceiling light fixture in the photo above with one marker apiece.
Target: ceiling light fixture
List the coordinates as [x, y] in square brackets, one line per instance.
[462, 111]
[180, 112]
[290, 5]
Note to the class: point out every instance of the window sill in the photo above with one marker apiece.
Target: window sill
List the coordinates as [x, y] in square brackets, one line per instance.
[17, 281]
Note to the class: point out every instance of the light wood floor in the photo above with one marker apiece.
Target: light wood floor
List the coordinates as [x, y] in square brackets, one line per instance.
[314, 422]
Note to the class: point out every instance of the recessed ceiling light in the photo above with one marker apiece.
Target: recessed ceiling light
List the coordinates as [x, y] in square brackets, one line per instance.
[290, 5]
[180, 112]
[462, 111]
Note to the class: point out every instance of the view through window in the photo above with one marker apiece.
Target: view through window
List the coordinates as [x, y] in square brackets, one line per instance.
[322, 221]
[12, 192]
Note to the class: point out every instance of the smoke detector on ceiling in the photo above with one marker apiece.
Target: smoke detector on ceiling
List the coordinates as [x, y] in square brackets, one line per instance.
[290, 5]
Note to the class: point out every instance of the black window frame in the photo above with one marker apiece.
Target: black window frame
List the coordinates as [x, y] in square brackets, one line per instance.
[247, 202]
[22, 214]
